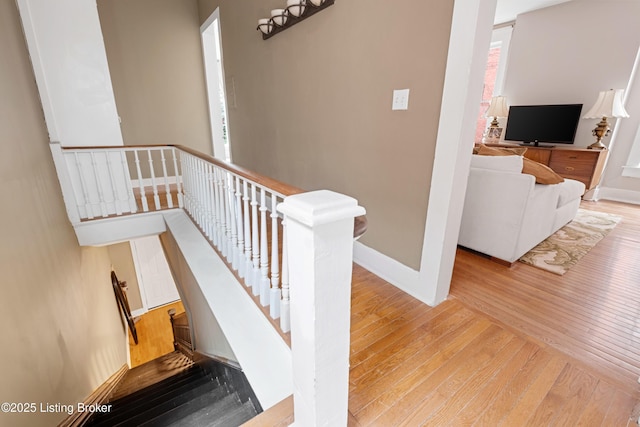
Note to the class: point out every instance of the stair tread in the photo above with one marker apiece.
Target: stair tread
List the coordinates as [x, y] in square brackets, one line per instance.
[204, 394]
[218, 396]
[230, 412]
[156, 405]
[176, 381]
[152, 372]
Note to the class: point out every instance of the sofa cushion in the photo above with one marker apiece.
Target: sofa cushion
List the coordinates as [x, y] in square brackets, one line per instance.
[570, 190]
[498, 163]
[543, 173]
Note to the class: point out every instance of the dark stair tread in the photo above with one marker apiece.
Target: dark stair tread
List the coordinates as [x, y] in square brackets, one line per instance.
[237, 417]
[206, 393]
[174, 382]
[184, 415]
[152, 372]
[228, 413]
[158, 404]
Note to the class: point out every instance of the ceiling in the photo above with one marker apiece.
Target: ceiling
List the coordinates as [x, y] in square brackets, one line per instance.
[507, 10]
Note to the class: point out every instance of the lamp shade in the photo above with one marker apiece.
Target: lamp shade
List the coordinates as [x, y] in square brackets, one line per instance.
[608, 104]
[498, 107]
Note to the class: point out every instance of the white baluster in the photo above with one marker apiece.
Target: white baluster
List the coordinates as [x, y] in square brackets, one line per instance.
[189, 186]
[83, 186]
[154, 184]
[133, 206]
[255, 240]
[96, 177]
[212, 204]
[218, 210]
[143, 196]
[178, 179]
[193, 188]
[285, 303]
[205, 198]
[167, 187]
[224, 217]
[114, 187]
[275, 293]
[248, 276]
[231, 225]
[184, 166]
[240, 223]
[202, 205]
[264, 252]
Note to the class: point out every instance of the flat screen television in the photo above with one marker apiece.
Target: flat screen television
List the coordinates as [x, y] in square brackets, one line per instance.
[534, 124]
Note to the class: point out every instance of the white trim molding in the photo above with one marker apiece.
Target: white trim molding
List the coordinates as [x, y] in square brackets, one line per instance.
[387, 268]
[631, 171]
[617, 195]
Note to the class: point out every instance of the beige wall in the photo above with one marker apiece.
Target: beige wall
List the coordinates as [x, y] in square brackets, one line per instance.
[123, 265]
[313, 105]
[155, 60]
[62, 334]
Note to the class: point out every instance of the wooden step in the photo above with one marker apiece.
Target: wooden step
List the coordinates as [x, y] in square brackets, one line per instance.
[152, 372]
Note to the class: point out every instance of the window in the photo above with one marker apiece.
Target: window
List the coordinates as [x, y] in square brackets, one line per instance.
[494, 75]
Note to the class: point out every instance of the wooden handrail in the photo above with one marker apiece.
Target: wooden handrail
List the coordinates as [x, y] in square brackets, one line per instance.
[273, 184]
[181, 332]
[360, 226]
[360, 223]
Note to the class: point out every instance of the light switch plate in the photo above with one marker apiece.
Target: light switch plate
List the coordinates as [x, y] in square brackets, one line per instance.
[400, 99]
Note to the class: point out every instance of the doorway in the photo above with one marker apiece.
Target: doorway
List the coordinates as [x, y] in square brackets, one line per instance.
[216, 89]
[156, 283]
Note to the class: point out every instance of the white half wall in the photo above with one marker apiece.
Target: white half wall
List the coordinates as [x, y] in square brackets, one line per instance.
[263, 355]
[70, 64]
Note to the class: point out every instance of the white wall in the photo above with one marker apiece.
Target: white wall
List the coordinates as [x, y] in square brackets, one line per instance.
[570, 52]
[615, 186]
[70, 65]
[208, 336]
[226, 321]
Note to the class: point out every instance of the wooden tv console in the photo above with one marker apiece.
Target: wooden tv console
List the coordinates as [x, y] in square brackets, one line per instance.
[581, 164]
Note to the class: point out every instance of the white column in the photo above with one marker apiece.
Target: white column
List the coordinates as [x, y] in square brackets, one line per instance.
[320, 238]
[70, 66]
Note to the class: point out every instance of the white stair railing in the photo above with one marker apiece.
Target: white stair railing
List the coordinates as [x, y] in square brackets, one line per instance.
[235, 209]
[112, 181]
[269, 233]
[237, 212]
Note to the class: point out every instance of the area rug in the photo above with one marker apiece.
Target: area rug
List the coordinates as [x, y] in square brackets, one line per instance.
[563, 249]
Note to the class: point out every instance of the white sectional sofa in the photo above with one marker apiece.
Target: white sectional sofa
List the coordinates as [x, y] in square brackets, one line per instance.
[506, 213]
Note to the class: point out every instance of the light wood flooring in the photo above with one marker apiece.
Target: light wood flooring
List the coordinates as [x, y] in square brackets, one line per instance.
[155, 337]
[510, 347]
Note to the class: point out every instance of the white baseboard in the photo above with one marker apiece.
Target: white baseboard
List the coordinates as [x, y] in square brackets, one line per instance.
[139, 312]
[617, 195]
[387, 268]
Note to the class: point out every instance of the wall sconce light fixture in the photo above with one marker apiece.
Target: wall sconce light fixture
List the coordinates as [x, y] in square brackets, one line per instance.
[296, 11]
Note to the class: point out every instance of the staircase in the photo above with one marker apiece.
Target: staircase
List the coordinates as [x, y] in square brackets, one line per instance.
[174, 391]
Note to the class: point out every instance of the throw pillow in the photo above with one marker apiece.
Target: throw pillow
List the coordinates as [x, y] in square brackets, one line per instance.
[544, 174]
[484, 150]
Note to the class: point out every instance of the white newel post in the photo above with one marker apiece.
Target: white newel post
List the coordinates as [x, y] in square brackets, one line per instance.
[320, 238]
[66, 184]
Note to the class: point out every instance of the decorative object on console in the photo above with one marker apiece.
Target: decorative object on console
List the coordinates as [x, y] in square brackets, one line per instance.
[497, 108]
[296, 11]
[609, 104]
